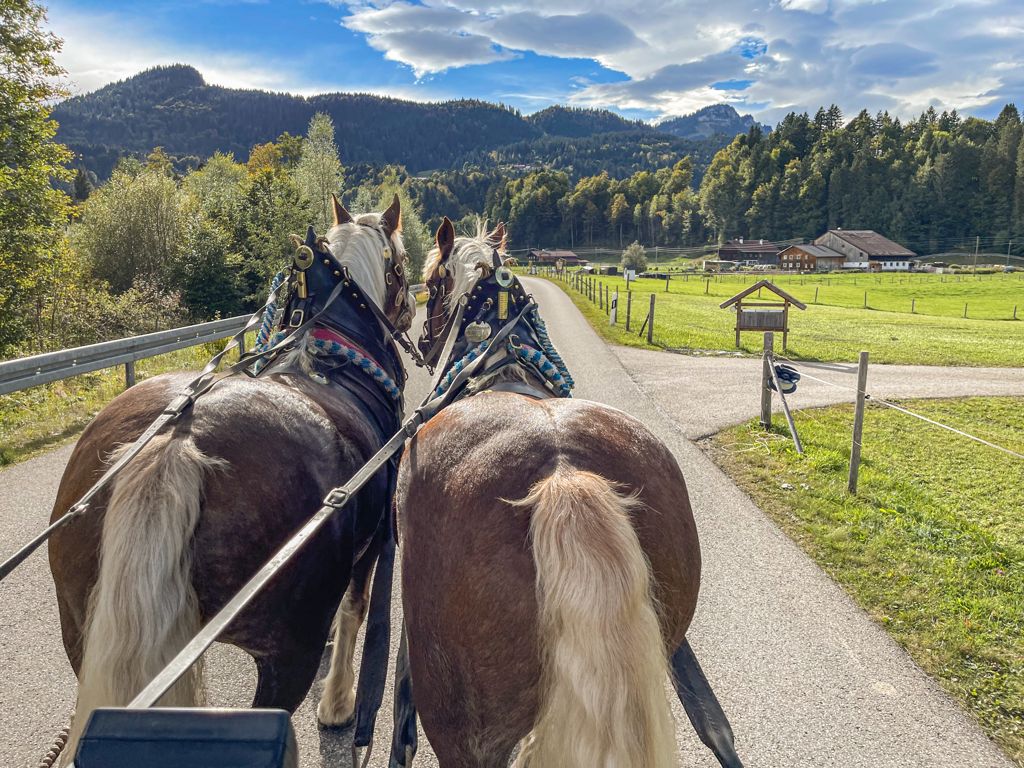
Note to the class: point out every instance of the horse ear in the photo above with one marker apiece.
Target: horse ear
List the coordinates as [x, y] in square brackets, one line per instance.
[391, 219]
[497, 237]
[445, 239]
[341, 216]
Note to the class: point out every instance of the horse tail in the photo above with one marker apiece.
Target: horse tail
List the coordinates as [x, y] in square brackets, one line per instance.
[604, 665]
[144, 609]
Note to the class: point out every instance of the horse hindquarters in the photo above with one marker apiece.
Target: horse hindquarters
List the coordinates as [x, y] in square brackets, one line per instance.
[143, 609]
[604, 665]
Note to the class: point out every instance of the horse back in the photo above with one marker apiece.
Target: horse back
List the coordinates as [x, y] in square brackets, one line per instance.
[468, 572]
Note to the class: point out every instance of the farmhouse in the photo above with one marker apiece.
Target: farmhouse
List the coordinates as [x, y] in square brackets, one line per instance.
[810, 258]
[752, 251]
[866, 249]
[546, 257]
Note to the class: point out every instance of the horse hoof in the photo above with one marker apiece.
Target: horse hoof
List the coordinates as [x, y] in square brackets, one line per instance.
[326, 719]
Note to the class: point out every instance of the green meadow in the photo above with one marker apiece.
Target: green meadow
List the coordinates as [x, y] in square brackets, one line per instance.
[836, 326]
[932, 545]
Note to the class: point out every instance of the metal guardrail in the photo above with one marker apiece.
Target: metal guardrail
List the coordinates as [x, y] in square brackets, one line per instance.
[27, 372]
[32, 371]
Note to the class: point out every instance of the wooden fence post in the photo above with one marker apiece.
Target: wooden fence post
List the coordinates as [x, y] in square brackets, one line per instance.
[613, 308]
[629, 307]
[858, 421]
[600, 295]
[129, 374]
[650, 322]
[766, 376]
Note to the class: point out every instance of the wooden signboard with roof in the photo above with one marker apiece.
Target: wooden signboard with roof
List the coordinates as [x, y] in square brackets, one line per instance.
[760, 315]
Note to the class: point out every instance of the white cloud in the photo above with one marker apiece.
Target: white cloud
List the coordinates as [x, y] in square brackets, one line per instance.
[901, 55]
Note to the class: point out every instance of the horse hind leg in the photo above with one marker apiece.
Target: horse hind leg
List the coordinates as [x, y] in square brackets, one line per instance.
[337, 705]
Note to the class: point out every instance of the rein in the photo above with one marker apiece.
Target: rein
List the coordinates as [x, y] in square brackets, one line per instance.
[334, 501]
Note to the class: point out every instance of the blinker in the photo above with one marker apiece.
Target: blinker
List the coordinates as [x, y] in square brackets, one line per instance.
[303, 258]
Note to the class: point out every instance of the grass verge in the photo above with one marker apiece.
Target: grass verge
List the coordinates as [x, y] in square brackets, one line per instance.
[35, 420]
[932, 547]
[686, 319]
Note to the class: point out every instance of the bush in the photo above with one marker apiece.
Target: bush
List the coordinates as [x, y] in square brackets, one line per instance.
[634, 257]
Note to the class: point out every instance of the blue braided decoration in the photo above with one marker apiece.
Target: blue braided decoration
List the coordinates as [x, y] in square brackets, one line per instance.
[269, 315]
[469, 357]
[548, 369]
[261, 363]
[549, 349]
[331, 348]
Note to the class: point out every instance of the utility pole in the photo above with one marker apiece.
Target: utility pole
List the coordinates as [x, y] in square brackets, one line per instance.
[1008, 244]
[977, 244]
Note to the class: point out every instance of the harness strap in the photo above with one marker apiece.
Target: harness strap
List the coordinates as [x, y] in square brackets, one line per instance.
[436, 356]
[440, 358]
[335, 500]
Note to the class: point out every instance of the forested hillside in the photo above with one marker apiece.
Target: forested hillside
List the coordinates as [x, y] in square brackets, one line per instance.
[575, 122]
[185, 232]
[172, 107]
[931, 183]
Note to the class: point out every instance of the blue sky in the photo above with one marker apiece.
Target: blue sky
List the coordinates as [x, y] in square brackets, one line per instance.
[648, 58]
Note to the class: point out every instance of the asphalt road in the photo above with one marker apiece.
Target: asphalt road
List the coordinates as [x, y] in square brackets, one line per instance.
[805, 676]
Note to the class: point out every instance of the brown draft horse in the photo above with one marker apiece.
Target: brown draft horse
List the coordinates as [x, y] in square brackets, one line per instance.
[207, 503]
[550, 566]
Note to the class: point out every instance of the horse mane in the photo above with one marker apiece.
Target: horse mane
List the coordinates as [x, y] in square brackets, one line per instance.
[353, 245]
[468, 251]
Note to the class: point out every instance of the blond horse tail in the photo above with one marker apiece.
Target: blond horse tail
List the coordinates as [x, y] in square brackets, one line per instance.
[143, 609]
[604, 665]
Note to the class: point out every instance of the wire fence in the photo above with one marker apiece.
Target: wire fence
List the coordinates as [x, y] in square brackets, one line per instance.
[861, 397]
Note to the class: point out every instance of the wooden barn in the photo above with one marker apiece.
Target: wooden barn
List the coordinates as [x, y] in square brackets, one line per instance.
[810, 258]
[751, 251]
[866, 249]
[544, 257]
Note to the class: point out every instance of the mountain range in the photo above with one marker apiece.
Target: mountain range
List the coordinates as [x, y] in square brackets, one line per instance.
[173, 107]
